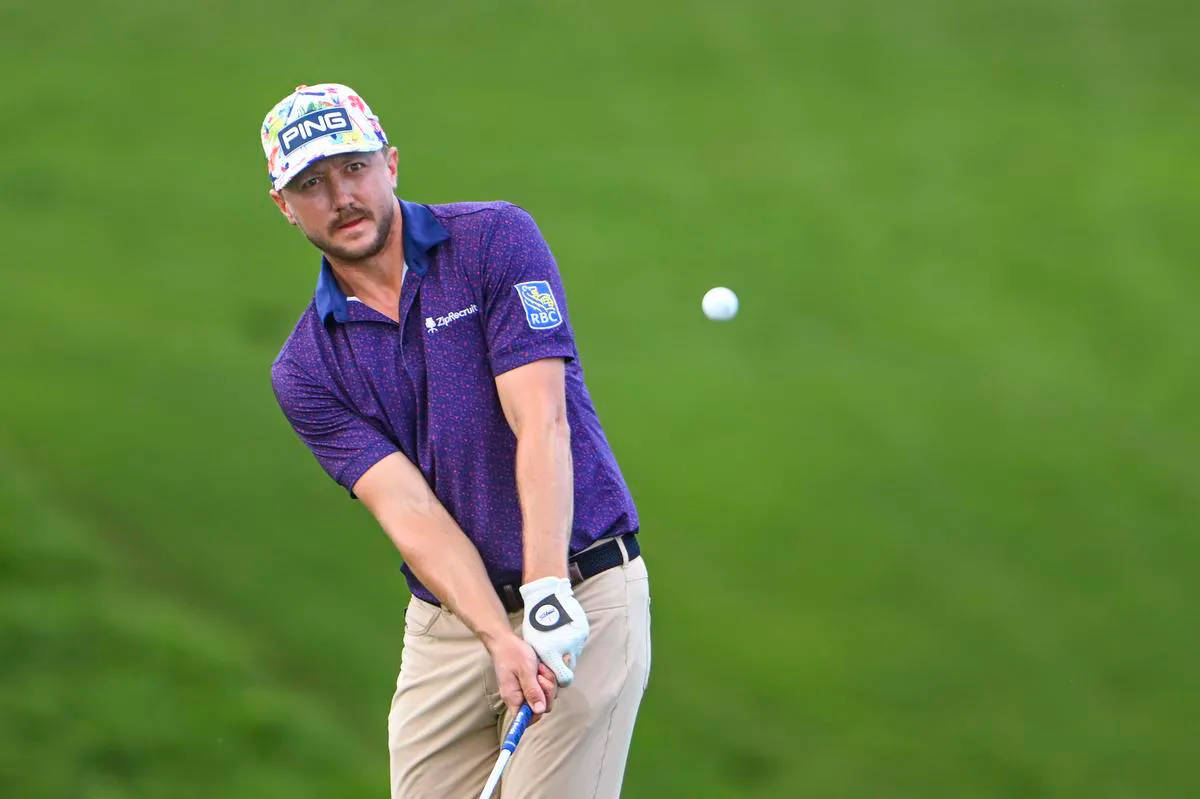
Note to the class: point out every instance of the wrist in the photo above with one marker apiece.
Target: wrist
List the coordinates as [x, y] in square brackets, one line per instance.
[495, 638]
[533, 590]
[546, 556]
[537, 571]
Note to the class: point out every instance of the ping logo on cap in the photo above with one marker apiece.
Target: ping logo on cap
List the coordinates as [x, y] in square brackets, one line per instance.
[313, 125]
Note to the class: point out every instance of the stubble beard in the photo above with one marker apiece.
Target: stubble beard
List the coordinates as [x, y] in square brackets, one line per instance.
[383, 230]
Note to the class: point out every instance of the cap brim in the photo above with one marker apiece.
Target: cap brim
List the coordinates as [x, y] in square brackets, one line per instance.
[288, 175]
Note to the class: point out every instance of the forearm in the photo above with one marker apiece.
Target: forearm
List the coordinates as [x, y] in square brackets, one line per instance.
[432, 544]
[534, 401]
[545, 486]
[447, 563]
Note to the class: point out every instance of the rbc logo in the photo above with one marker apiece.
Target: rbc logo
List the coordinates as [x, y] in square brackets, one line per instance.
[314, 125]
[541, 310]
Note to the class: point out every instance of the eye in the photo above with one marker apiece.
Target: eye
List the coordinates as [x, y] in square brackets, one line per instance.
[354, 166]
[308, 184]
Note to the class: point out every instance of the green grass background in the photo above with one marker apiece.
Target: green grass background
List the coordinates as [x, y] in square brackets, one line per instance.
[921, 522]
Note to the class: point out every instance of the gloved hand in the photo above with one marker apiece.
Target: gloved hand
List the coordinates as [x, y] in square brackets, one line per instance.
[555, 624]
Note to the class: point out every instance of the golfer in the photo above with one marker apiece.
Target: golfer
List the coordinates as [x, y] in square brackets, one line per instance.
[435, 376]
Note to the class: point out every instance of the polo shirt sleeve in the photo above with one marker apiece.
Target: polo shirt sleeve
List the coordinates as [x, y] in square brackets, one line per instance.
[344, 442]
[524, 304]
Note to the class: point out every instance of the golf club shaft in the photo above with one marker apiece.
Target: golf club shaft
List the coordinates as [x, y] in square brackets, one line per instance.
[511, 739]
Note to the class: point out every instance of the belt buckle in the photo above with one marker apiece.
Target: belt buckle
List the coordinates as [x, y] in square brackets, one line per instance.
[512, 598]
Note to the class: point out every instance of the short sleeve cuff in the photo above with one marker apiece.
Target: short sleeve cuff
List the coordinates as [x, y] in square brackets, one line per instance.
[509, 359]
[358, 466]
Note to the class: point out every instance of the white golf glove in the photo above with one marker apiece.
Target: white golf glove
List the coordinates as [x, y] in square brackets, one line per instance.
[555, 624]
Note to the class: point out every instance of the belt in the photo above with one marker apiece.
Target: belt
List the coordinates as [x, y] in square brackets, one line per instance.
[580, 567]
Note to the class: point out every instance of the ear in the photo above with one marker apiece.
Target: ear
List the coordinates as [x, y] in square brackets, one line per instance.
[392, 157]
[282, 205]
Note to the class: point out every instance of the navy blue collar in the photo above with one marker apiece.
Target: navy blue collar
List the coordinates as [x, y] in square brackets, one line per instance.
[422, 232]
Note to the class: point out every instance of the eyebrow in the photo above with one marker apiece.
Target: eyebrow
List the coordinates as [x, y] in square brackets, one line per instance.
[316, 169]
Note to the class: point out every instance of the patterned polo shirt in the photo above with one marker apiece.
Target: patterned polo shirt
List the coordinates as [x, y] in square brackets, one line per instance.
[482, 295]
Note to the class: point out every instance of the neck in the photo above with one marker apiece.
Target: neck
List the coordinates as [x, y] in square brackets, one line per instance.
[377, 280]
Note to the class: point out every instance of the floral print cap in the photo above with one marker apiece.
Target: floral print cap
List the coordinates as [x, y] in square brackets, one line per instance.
[315, 122]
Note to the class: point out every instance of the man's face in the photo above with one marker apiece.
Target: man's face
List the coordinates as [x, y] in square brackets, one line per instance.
[344, 204]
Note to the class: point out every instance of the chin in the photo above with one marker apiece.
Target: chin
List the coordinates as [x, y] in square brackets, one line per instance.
[358, 252]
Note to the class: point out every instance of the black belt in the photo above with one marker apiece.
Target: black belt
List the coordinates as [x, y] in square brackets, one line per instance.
[580, 567]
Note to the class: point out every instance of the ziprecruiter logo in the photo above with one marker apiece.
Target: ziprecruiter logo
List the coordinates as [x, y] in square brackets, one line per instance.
[435, 323]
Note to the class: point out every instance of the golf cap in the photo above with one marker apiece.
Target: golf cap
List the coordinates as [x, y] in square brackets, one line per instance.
[315, 122]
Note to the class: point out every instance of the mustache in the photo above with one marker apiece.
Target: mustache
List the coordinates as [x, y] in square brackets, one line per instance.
[349, 215]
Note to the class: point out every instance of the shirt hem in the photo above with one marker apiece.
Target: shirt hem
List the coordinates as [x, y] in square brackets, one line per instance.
[507, 360]
[355, 469]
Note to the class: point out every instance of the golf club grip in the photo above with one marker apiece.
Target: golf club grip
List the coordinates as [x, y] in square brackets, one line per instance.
[517, 728]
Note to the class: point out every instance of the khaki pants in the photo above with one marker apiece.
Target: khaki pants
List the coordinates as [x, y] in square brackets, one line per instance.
[447, 719]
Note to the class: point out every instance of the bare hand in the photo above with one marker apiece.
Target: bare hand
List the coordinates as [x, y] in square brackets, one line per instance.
[522, 678]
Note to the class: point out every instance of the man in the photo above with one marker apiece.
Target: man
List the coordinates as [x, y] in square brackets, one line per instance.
[435, 376]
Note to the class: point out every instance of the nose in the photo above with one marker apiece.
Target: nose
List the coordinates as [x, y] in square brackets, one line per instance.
[339, 192]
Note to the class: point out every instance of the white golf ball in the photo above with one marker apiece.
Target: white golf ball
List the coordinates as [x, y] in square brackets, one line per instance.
[719, 304]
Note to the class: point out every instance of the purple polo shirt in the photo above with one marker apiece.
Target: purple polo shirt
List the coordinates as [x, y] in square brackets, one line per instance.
[482, 296]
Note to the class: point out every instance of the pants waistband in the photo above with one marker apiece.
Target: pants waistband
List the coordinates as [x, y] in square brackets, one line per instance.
[600, 557]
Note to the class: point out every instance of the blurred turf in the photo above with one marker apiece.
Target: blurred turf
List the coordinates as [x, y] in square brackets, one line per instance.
[921, 521]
